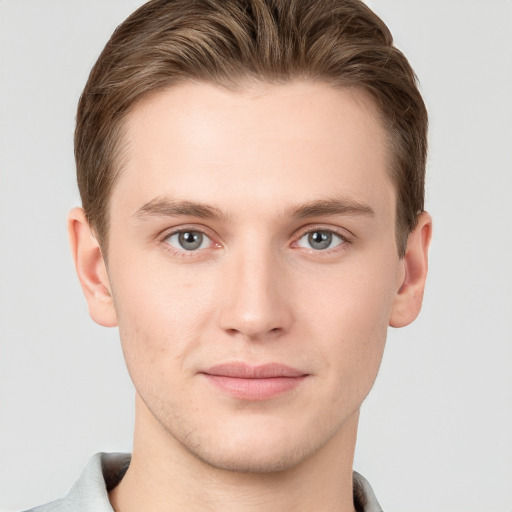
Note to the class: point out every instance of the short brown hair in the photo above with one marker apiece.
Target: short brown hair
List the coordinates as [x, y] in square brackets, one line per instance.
[224, 42]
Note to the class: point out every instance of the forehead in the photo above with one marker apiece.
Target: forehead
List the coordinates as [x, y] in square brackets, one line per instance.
[271, 144]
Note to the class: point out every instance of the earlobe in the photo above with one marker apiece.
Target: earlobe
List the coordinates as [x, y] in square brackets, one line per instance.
[409, 295]
[91, 269]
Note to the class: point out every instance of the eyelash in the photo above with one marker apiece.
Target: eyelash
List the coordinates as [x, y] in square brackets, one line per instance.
[344, 237]
[183, 253]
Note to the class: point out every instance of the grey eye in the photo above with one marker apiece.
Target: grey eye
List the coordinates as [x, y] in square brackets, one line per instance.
[188, 240]
[320, 240]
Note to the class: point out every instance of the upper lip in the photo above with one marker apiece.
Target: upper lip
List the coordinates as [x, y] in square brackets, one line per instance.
[242, 370]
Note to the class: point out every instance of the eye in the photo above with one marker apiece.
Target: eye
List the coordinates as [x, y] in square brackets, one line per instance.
[188, 240]
[320, 240]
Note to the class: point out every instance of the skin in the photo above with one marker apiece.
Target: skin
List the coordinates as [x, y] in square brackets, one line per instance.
[274, 163]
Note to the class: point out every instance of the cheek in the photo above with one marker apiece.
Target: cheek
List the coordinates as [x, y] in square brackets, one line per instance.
[160, 316]
[350, 310]
[353, 298]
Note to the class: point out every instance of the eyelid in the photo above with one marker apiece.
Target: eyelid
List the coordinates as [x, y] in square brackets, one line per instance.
[343, 233]
[346, 235]
[183, 228]
[174, 240]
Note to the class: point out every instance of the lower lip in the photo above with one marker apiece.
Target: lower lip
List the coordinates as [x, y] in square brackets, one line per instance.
[255, 389]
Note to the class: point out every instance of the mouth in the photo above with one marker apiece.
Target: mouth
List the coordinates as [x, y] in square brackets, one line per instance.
[246, 382]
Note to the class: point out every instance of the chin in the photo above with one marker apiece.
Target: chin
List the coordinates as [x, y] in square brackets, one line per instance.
[251, 438]
[254, 445]
[251, 456]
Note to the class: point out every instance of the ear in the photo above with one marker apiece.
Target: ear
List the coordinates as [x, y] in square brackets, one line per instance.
[91, 269]
[409, 294]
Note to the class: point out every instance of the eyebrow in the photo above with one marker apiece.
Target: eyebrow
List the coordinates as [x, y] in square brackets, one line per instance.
[344, 206]
[164, 207]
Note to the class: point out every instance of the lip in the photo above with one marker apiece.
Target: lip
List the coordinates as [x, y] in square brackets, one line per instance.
[247, 382]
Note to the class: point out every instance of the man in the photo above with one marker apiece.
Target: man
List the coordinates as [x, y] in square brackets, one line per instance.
[252, 177]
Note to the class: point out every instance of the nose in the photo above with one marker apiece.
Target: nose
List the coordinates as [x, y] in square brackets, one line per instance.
[257, 301]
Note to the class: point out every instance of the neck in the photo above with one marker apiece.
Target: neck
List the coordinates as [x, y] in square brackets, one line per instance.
[164, 476]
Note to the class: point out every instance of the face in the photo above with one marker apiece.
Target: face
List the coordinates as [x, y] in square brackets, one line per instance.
[253, 267]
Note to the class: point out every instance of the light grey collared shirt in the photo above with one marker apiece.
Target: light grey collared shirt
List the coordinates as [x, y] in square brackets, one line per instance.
[105, 471]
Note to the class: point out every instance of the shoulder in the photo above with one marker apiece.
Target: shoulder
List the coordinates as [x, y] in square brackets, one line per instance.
[90, 492]
[364, 497]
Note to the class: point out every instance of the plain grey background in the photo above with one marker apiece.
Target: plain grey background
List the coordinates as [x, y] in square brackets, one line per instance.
[436, 432]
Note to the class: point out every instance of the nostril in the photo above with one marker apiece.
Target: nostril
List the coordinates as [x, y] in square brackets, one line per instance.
[273, 332]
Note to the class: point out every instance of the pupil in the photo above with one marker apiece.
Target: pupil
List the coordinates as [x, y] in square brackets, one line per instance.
[320, 239]
[190, 240]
